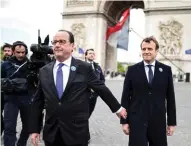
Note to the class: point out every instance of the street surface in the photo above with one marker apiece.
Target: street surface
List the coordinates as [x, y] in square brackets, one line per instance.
[106, 130]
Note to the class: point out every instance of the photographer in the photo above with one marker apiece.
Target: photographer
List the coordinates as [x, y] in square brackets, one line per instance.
[7, 52]
[18, 91]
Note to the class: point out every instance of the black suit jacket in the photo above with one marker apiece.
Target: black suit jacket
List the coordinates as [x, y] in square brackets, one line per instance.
[69, 114]
[139, 97]
[99, 72]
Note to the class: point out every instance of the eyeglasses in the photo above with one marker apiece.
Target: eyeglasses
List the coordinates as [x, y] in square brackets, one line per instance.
[61, 42]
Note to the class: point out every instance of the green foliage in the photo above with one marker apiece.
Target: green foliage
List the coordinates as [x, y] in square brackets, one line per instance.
[1, 53]
[120, 68]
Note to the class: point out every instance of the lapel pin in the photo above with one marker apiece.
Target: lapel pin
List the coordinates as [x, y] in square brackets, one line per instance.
[73, 68]
[160, 69]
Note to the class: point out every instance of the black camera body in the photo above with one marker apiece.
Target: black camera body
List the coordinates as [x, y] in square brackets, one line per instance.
[40, 57]
[41, 51]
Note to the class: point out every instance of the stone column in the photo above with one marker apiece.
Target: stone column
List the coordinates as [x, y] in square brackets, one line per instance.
[88, 26]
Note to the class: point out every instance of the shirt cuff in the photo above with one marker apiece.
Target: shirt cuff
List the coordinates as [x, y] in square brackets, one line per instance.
[119, 110]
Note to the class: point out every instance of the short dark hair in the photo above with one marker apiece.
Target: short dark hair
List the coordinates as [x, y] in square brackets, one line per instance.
[149, 39]
[71, 36]
[86, 53]
[6, 45]
[20, 43]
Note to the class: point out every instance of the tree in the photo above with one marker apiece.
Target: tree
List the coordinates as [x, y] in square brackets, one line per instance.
[120, 68]
[1, 53]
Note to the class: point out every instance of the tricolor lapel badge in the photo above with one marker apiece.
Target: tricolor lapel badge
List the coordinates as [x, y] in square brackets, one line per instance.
[73, 68]
[160, 69]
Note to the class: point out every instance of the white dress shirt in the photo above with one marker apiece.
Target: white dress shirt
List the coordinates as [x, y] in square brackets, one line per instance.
[147, 69]
[65, 70]
[92, 63]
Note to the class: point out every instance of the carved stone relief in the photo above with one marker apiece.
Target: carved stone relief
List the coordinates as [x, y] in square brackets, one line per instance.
[78, 30]
[171, 37]
[76, 3]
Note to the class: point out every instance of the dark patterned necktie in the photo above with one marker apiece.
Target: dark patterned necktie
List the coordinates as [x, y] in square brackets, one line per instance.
[92, 64]
[59, 80]
[150, 74]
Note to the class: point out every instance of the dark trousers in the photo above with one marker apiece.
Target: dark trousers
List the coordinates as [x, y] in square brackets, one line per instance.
[146, 132]
[11, 109]
[92, 104]
[2, 108]
[59, 141]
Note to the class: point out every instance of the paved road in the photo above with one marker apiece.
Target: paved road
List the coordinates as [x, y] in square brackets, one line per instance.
[106, 130]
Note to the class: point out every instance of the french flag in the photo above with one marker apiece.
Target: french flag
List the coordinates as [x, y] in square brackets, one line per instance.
[188, 52]
[118, 35]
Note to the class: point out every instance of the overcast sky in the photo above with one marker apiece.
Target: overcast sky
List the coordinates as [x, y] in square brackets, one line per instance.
[27, 16]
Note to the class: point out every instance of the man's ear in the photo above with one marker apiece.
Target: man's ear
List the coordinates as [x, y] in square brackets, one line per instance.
[73, 46]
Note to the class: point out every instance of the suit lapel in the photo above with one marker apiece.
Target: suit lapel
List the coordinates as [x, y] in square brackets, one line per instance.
[51, 78]
[143, 73]
[73, 69]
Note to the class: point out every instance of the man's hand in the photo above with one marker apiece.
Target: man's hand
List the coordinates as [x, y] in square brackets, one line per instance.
[125, 128]
[35, 138]
[170, 130]
[122, 113]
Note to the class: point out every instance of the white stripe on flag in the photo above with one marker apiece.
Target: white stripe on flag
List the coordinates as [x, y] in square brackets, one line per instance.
[112, 40]
[123, 39]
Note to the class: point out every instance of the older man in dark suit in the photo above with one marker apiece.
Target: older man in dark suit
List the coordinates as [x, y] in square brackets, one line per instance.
[64, 92]
[148, 93]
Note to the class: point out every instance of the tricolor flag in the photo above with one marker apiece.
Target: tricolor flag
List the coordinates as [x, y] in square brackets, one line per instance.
[188, 52]
[117, 36]
[81, 51]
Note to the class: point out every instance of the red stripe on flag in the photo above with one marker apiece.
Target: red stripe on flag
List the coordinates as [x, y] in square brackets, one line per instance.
[119, 25]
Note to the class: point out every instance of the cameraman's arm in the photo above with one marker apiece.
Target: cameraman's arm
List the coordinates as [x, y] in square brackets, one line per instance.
[3, 70]
[36, 112]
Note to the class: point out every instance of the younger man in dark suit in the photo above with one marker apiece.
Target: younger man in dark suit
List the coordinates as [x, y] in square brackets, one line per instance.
[90, 57]
[148, 93]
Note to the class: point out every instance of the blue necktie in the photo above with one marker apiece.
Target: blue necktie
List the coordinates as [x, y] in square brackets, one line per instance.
[150, 74]
[59, 80]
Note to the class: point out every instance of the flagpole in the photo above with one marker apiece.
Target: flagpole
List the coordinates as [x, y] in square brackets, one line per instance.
[131, 29]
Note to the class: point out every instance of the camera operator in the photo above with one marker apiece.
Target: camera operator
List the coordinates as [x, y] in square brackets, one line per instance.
[7, 52]
[18, 91]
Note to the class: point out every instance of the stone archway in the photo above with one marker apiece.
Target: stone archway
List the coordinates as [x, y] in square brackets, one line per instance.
[95, 19]
[113, 11]
[95, 16]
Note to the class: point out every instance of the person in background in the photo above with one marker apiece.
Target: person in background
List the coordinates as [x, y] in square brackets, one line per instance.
[16, 101]
[89, 58]
[7, 52]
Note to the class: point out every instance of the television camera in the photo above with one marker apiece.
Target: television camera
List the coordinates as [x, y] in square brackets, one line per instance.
[40, 56]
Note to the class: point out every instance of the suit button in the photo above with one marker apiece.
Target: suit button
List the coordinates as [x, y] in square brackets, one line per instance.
[150, 93]
[60, 103]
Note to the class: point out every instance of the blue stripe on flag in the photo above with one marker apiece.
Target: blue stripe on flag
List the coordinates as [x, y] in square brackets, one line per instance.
[188, 52]
[81, 51]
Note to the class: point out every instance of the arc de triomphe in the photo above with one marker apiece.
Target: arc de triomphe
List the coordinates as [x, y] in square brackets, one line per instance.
[168, 21]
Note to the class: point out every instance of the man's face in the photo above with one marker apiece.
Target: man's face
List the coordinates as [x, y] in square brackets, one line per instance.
[61, 46]
[149, 51]
[20, 52]
[90, 55]
[7, 52]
